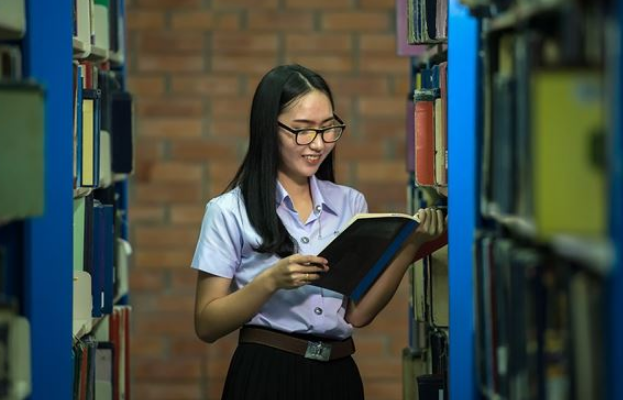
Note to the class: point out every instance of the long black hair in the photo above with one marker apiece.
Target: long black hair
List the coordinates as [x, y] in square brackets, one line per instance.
[257, 176]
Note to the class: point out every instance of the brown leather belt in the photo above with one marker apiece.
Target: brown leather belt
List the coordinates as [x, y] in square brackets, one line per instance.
[315, 350]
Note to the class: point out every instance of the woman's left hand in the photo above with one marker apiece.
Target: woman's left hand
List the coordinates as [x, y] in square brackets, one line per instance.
[432, 225]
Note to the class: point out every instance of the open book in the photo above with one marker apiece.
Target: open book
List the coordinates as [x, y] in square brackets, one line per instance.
[368, 244]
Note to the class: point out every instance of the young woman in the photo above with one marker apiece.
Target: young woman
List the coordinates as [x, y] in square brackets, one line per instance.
[255, 252]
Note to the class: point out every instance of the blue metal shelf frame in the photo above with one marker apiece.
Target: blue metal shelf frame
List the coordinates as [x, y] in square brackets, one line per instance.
[48, 279]
[462, 199]
[615, 301]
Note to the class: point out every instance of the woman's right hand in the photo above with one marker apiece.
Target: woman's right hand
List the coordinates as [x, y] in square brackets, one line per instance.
[294, 271]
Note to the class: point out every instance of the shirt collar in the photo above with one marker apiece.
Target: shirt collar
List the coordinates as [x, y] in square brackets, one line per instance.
[316, 187]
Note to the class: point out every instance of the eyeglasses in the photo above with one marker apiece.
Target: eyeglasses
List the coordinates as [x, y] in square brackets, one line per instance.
[329, 135]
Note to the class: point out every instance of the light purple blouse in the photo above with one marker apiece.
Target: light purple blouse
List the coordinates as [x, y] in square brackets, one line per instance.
[227, 239]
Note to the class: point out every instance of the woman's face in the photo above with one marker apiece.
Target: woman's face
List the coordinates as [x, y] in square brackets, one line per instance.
[299, 162]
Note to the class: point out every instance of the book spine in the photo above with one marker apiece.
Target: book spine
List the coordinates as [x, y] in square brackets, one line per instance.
[378, 268]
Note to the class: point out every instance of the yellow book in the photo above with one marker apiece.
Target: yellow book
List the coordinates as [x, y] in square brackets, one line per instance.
[88, 149]
[567, 146]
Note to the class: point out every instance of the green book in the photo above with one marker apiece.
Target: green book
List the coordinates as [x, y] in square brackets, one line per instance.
[568, 148]
[22, 193]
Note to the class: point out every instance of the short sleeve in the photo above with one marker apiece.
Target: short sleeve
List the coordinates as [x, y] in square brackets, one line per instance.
[220, 242]
[361, 205]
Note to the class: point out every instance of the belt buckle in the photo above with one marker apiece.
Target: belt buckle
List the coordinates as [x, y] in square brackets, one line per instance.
[318, 351]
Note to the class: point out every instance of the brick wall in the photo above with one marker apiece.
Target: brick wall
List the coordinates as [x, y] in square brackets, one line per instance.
[193, 66]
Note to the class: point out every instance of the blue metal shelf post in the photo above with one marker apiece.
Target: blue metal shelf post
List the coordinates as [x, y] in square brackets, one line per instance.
[462, 96]
[48, 278]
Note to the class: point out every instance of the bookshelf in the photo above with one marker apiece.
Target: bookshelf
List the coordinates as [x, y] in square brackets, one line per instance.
[537, 295]
[547, 285]
[39, 257]
[422, 35]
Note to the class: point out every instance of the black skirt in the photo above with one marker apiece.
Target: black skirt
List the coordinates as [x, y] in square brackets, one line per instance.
[259, 372]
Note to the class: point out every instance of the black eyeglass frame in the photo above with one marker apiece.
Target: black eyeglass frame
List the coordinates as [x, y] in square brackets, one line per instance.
[318, 131]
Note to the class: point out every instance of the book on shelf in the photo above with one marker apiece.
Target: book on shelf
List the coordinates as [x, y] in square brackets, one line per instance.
[22, 138]
[424, 137]
[427, 21]
[15, 356]
[441, 128]
[569, 147]
[12, 19]
[403, 47]
[366, 247]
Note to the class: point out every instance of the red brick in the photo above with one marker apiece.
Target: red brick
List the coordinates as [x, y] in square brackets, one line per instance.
[170, 42]
[378, 4]
[318, 43]
[167, 193]
[154, 107]
[170, 127]
[382, 107]
[369, 346]
[149, 237]
[183, 280]
[187, 215]
[360, 21]
[162, 258]
[324, 64]
[384, 389]
[150, 214]
[205, 21]
[243, 63]
[385, 128]
[402, 84]
[168, 3]
[167, 63]
[148, 346]
[245, 4]
[373, 368]
[281, 21]
[384, 64]
[217, 367]
[226, 107]
[188, 368]
[244, 43]
[210, 56]
[209, 85]
[175, 172]
[378, 43]
[178, 324]
[176, 302]
[142, 86]
[154, 390]
[344, 172]
[360, 151]
[221, 174]
[231, 128]
[319, 4]
[188, 347]
[202, 150]
[145, 20]
[383, 197]
[146, 281]
[148, 149]
[358, 85]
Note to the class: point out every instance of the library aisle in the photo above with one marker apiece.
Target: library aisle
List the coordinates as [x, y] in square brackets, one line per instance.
[121, 119]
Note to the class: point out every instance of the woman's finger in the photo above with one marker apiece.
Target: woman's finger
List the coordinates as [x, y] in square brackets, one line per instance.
[440, 221]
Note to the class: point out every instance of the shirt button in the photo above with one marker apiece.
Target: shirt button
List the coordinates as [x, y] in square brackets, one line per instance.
[318, 311]
[318, 208]
[305, 239]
